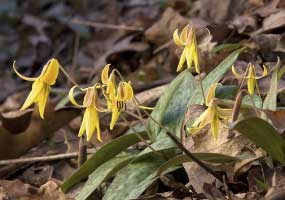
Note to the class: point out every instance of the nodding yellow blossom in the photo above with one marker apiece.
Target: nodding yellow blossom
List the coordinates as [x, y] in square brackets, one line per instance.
[251, 77]
[118, 103]
[116, 97]
[212, 115]
[90, 120]
[189, 54]
[41, 85]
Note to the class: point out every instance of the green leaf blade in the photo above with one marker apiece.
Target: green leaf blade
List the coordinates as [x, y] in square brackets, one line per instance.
[134, 179]
[209, 157]
[263, 135]
[103, 172]
[214, 76]
[107, 152]
[171, 106]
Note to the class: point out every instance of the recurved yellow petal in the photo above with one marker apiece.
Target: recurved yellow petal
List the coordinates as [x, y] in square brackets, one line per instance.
[83, 125]
[211, 94]
[111, 86]
[105, 74]
[195, 54]
[202, 121]
[265, 72]
[37, 88]
[91, 118]
[184, 34]
[215, 126]
[89, 96]
[251, 83]
[42, 99]
[50, 72]
[115, 116]
[189, 56]
[71, 97]
[182, 60]
[125, 92]
[177, 39]
[235, 73]
[20, 75]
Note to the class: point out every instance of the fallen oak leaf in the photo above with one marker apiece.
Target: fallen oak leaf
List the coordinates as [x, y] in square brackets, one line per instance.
[277, 118]
[21, 118]
[13, 146]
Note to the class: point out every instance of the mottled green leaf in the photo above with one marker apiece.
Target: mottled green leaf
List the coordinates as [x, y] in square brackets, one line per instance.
[171, 107]
[132, 180]
[102, 173]
[209, 157]
[270, 101]
[107, 152]
[263, 135]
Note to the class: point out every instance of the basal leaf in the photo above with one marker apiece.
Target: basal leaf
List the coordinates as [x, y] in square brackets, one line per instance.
[102, 173]
[107, 152]
[163, 145]
[132, 180]
[263, 135]
[209, 157]
[171, 107]
[270, 102]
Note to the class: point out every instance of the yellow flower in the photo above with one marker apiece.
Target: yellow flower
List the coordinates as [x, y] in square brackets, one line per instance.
[41, 86]
[116, 97]
[118, 103]
[212, 115]
[90, 120]
[251, 77]
[187, 39]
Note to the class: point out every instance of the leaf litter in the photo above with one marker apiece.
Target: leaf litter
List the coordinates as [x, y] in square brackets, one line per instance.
[32, 32]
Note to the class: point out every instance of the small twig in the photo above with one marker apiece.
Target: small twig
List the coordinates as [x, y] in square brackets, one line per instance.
[192, 157]
[42, 158]
[226, 188]
[104, 25]
[82, 152]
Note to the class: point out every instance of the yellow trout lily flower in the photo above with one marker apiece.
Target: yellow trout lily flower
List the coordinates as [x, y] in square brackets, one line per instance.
[90, 120]
[212, 115]
[41, 85]
[251, 77]
[118, 103]
[116, 97]
[187, 39]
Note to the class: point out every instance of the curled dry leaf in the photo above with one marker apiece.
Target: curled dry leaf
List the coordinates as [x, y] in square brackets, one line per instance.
[204, 142]
[276, 20]
[12, 146]
[21, 118]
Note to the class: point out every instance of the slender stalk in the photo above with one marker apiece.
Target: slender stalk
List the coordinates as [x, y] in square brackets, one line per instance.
[67, 75]
[182, 147]
[202, 88]
[142, 139]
